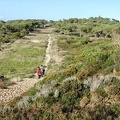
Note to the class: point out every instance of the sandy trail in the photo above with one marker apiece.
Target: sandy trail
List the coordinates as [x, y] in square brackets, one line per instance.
[47, 60]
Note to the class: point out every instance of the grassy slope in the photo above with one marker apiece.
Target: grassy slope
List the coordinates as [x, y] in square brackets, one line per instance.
[99, 56]
[23, 56]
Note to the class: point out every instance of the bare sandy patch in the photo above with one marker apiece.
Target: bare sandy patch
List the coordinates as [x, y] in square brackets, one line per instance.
[35, 41]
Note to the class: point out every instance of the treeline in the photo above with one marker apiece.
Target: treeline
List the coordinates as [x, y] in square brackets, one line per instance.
[92, 27]
[15, 29]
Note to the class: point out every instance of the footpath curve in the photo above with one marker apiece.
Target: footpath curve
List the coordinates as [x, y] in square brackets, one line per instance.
[20, 87]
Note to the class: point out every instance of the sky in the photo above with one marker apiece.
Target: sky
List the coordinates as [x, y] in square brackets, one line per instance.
[58, 9]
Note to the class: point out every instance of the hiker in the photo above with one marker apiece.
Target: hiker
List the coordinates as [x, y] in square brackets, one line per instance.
[39, 72]
[42, 70]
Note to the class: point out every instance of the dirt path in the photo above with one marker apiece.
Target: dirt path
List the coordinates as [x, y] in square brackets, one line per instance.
[16, 90]
[47, 60]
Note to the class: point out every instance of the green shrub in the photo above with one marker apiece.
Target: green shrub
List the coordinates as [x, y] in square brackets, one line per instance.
[82, 74]
[85, 40]
[50, 100]
[101, 92]
[70, 71]
[31, 92]
[69, 98]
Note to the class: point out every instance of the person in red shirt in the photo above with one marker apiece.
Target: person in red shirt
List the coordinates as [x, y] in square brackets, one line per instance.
[39, 72]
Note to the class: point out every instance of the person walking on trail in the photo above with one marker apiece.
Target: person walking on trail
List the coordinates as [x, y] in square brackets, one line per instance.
[42, 70]
[39, 72]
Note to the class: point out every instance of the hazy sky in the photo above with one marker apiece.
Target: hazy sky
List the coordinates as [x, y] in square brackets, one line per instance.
[58, 9]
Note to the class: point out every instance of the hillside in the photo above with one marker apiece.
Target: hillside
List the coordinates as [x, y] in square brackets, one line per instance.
[82, 80]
